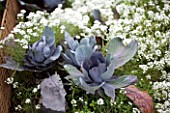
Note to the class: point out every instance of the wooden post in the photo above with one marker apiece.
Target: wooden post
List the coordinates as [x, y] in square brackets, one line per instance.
[8, 22]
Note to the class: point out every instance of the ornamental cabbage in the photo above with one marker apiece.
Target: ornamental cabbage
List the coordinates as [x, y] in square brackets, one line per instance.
[38, 57]
[42, 54]
[84, 48]
[96, 71]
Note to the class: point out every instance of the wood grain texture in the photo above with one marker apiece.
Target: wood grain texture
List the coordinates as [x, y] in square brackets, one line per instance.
[8, 22]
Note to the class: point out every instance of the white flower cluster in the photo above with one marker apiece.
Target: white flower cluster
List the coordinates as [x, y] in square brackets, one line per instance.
[10, 80]
[162, 93]
[147, 25]
[136, 110]
[18, 108]
[27, 101]
[79, 15]
[150, 28]
[100, 101]
[74, 102]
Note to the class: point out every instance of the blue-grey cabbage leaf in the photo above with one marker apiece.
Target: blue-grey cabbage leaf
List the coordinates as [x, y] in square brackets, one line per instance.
[53, 93]
[78, 51]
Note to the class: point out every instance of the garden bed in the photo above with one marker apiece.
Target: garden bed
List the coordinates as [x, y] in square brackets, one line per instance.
[76, 56]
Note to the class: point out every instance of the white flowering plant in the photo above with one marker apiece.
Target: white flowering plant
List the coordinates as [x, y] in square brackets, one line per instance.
[144, 21]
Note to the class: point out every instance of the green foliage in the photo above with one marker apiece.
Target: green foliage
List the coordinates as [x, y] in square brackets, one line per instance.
[17, 53]
[24, 90]
[58, 35]
[72, 29]
[68, 3]
[89, 103]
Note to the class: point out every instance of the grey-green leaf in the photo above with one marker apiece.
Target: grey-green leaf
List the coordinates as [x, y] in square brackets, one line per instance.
[82, 52]
[90, 88]
[86, 75]
[109, 90]
[85, 41]
[73, 70]
[109, 58]
[69, 57]
[123, 81]
[46, 51]
[55, 55]
[70, 41]
[13, 65]
[109, 72]
[92, 41]
[49, 36]
[53, 93]
[75, 79]
[121, 52]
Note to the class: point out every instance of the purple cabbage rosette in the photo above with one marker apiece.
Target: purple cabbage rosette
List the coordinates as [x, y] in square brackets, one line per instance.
[93, 71]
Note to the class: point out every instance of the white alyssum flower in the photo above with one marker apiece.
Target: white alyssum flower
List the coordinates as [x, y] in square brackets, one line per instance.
[23, 11]
[167, 104]
[38, 86]
[29, 31]
[34, 90]
[144, 68]
[126, 41]
[27, 101]
[100, 101]
[38, 106]
[111, 102]
[20, 15]
[148, 77]
[74, 102]
[151, 14]
[136, 110]
[18, 108]
[10, 80]
[81, 99]
[60, 6]
[85, 102]
[157, 33]
[19, 93]
[15, 85]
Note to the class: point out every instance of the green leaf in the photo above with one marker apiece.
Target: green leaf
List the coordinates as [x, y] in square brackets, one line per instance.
[123, 81]
[120, 52]
[90, 88]
[75, 79]
[82, 52]
[12, 64]
[70, 41]
[52, 89]
[110, 70]
[109, 90]
[73, 71]
[49, 36]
